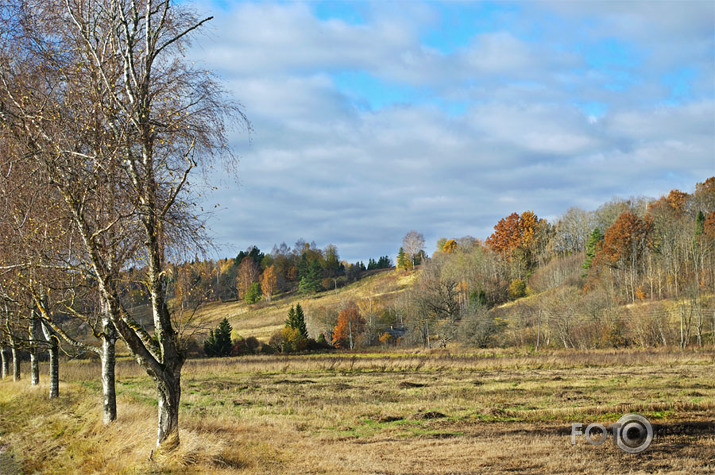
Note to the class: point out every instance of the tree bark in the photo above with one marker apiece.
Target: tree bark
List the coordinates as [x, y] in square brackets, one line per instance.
[54, 362]
[34, 360]
[108, 370]
[15, 365]
[168, 396]
[5, 362]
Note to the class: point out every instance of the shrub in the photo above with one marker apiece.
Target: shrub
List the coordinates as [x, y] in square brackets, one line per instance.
[288, 340]
[517, 289]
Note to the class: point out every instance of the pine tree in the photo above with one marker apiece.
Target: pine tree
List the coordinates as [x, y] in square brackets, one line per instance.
[219, 342]
[591, 247]
[300, 318]
[311, 281]
[296, 320]
[402, 261]
[699, 224]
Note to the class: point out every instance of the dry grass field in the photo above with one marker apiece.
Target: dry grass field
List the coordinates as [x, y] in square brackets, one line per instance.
[496, 412]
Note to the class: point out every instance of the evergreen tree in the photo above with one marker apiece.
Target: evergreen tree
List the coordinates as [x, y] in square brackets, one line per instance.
[591, 247]
[253, 294]
[402, 260]
[311, 281]
[219, 342]
[699, 224]
[296, 320]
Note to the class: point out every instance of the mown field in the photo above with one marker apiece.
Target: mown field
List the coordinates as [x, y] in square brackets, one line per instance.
[497, 412]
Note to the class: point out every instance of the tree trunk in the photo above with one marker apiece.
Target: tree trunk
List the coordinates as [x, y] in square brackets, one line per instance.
[168, 396]
[15, 365]
[34, 360]
[54, 362]
[5, 362]
[54, 368]
[34, 368]
[108, 365]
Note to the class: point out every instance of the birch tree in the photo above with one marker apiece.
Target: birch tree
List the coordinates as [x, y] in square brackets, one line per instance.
[117, 122]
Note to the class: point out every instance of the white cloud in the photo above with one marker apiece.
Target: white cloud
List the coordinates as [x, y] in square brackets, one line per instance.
[324, 168]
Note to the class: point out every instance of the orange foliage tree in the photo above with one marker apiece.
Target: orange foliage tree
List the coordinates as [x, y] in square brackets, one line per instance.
[350, 325]
[269, 282]
[518, 236]
[624, 249]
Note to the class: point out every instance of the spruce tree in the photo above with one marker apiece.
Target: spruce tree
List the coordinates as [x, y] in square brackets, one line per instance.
[591, 248]
[219, 342]
[402, 261]
[300, 321]
[296, 320]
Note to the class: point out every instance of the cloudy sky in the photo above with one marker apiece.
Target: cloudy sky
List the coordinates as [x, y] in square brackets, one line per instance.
[375, 118]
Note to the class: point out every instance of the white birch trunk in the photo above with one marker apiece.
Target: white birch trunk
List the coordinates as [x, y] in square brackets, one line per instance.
[54, 362]
[5, 362]
[34, 360]
[15, 365]
[168, 396]
[109, 394]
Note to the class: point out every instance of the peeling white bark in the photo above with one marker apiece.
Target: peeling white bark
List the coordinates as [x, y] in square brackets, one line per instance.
[109, 395]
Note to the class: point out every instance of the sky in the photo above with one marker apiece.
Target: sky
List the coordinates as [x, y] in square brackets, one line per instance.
[371, 119]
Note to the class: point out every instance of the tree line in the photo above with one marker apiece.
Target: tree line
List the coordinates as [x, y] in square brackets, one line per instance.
[635, 271]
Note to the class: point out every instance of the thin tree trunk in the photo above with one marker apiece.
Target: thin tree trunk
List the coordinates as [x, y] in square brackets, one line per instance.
[34, 360]
[5, 364]
[538, 331]
[108, 366]
[15, 365]
[54, 362]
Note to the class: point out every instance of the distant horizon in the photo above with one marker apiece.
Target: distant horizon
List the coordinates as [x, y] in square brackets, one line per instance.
[372, 119]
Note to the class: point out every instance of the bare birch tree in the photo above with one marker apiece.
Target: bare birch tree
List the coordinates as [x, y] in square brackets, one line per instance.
[116, 121]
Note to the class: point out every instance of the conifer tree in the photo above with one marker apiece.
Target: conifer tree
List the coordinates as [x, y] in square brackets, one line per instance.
[296, 320]
[219, 342]
[591, 247]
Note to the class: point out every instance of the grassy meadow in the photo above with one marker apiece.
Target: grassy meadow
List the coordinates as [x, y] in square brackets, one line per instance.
[501, 411]
[261, 320]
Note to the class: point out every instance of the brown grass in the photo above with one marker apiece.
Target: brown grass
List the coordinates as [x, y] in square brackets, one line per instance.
[263, 319]
[500, 412]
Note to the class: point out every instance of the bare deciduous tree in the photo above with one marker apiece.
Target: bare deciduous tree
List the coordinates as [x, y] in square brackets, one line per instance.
[116, 122]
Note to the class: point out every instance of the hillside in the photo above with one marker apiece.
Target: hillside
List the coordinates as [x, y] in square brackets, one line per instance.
[264, 318]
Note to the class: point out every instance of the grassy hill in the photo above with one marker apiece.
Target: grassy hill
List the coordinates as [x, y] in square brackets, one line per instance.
[264, 318]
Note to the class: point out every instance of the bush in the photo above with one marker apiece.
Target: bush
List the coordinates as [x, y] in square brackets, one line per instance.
[517, 289]
[478, 327]
[288, 340]
[253, 344]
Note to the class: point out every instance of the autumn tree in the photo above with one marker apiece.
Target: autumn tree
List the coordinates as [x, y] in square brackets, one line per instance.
[248, 272]
[519, 236]
[624, 247]
[350, 325]
[269, 282]
[449, 246]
